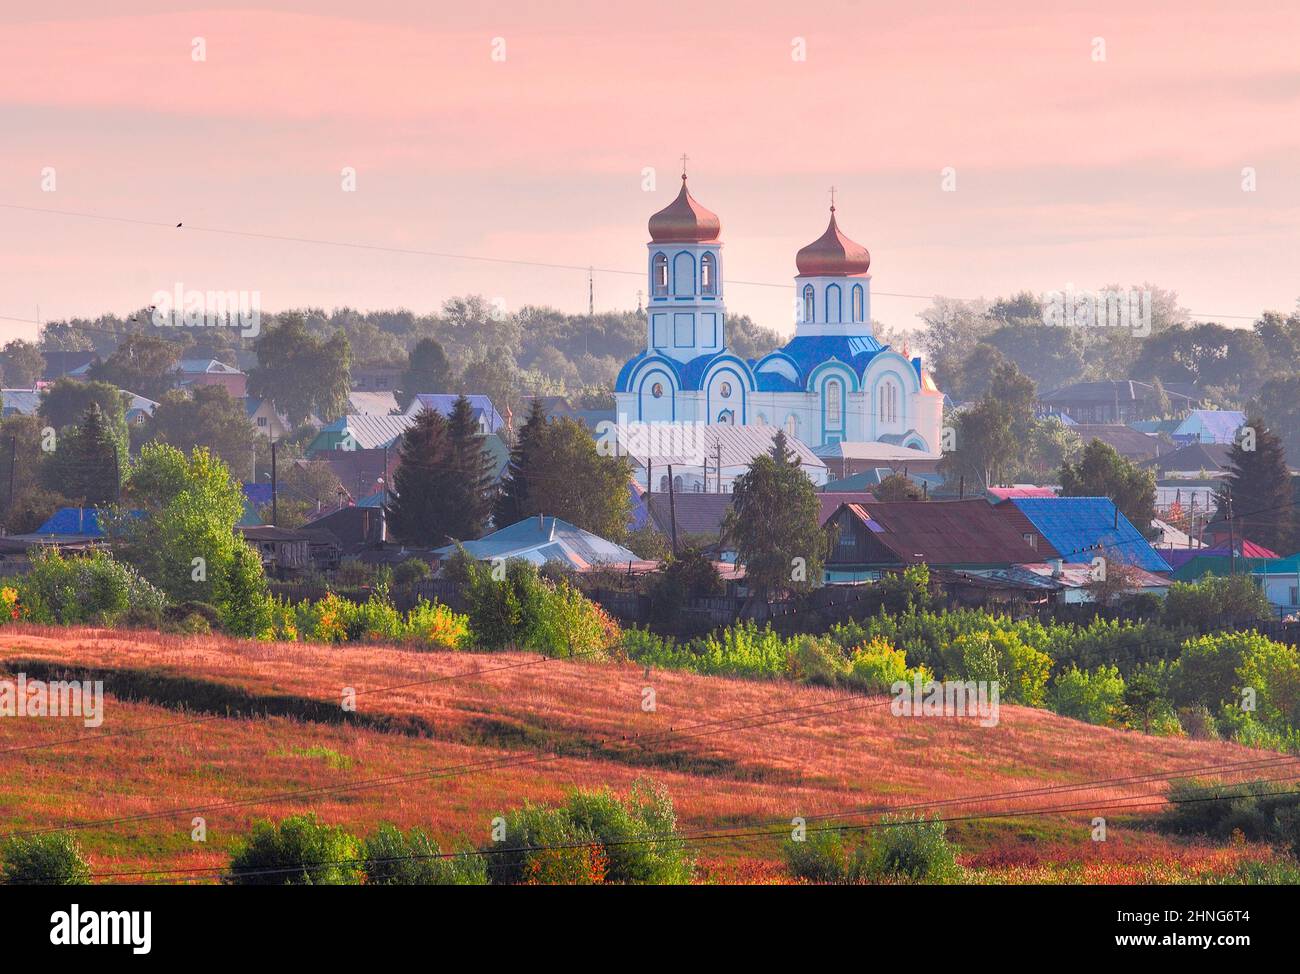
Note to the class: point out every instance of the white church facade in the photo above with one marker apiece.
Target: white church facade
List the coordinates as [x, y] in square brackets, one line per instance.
[832, 383]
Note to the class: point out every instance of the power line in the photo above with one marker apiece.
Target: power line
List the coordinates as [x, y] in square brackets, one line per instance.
[447, 255]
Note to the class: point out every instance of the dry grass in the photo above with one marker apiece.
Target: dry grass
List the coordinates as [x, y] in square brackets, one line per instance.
[289, 733]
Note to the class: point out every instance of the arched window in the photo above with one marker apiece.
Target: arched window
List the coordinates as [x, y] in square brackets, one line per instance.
[660, 282]
[834, 404]
[888, 402]
[663, 484]
[726, 417]
[833, 309]
[792, 425]
[809, 302]
[708, 280]
[857, 302]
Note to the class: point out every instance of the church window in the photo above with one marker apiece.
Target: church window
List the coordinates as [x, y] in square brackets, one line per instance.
[857, 302]
[660, 275]
[708, 283]
[888, 402]
[792, 425]
[808, 302]
[834, 404]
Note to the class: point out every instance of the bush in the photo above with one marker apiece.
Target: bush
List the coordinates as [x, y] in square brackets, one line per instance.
[909, 847]
[1095, 697]
[593, 838]
[818, 858]
[411, 571]
[1210, 600]
[243, 607]
[1260, 810]
[876, 666]
[817, 661]
[434, 625]
[91, 588]
[394, 858]
[299, 851]
[44, 860]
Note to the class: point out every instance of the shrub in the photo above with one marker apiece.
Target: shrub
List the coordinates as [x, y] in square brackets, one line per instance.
[91, 588]
[817, 661]
[909, 847]
[818, 858]
[1261, 810]
[243, 607]
[1209, 600]
[434, 625]
[1096, 697]
[299, 851]
[54, 859]
[876, 666]
[394, 858]
[411, 571]
[593, 838]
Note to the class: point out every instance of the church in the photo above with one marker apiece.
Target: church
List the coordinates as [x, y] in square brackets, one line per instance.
[833, 383]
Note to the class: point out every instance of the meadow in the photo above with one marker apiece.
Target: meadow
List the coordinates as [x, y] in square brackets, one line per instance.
[234, 730]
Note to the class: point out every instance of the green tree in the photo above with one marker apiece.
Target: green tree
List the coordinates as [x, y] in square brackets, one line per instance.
[299, 851]
[1259, 484]
[54, 859]
[897, 487]
[65, 402]
[142, 364]
[205, 417]
[1102, 472]
[470, 500]
[184, 542]
[428, 370]
[775, 524]
[23, 364]
[417, 509]
[985, 445]
[86, 461]
[569, 478]
[512, 500]
[301, 373]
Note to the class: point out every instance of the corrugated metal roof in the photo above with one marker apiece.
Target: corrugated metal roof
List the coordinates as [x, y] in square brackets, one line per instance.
[964, 532]
[692, 444]
[1080, 528]
[546, 539]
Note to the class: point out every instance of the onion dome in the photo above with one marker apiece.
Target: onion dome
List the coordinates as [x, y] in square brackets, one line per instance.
[685, 221]
[832, 255]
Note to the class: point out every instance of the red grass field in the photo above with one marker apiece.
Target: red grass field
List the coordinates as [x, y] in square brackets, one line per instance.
[501, 732]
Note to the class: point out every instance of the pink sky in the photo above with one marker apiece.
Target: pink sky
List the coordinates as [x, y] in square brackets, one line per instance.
[1069, 171]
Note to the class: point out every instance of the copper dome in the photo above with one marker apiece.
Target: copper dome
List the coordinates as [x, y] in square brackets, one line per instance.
[684, 221]
[833, 255]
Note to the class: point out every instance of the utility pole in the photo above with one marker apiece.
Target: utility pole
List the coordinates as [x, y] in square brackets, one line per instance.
[117, 475]
[275, 503]
[718, 444]
[13, 463]
[672, 507]
[1232, 536]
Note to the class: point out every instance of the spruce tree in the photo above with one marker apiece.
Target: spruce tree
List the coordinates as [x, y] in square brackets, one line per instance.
[85, 464]
[1260, 485]
[512, 501]
[469, 500]
[417, 508]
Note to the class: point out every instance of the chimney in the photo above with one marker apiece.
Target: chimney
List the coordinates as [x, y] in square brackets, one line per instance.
[1057, 570]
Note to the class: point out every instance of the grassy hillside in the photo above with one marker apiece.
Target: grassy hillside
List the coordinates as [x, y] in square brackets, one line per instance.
[449, 740]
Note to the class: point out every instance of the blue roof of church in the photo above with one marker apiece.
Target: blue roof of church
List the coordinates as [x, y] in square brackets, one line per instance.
[807, 353]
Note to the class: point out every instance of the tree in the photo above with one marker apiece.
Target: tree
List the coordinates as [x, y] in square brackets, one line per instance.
[299, 372]
[1259, 484]
[23, 364]
[470, 500]
[775, 524]
[205, 417]
[493, 374]
[985, 445]
[184, 541]
[897, 487]
[570, 479]
[141, 364]
[65, 402]
[86, 463]
[1102, 472]
[1279, 404]
[428, 370]
[512, 500]
[417, 510]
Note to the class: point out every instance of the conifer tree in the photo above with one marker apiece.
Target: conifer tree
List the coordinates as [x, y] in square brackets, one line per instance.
[469, 499]
[1260, 486]
[417, 508]
[512, 501]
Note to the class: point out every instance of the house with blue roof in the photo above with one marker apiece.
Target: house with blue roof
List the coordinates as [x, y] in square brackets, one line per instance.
[542, 539]
[1209, 426]
[832, 382]
[485, 414]
[1083, 528]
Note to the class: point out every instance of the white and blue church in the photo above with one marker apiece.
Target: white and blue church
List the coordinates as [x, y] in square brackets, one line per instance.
[832, 383]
